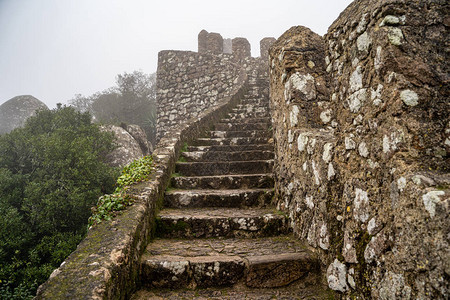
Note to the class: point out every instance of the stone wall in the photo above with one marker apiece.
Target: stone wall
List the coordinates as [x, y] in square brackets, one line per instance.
[361, 126]
[189, 82]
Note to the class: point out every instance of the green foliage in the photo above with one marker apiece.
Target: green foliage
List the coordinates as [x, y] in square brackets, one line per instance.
[184, 148]
[136, 171]
[51, 174]
[108, 205]
[182, 159]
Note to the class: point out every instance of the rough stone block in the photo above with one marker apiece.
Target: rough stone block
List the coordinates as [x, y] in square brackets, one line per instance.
[271, 271]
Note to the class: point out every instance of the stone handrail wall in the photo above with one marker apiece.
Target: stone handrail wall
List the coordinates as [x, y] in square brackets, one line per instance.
[189, 82]
[362, 136]
[105, 264]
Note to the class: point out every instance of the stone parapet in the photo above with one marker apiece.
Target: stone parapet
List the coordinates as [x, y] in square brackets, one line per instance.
[362, 127]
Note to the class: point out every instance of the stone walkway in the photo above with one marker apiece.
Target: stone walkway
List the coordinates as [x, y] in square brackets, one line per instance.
[219, 236]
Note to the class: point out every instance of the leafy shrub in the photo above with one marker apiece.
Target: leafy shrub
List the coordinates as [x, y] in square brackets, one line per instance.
[51, 174]
[108, 205]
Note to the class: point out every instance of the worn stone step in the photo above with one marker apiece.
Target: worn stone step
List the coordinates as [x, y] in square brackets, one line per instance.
[181, 198]
[224, 168]
[227, 156]
[251, 107]
[258, 263]
[256, 106]
[230, 141]
[303, 291]
[247, 133]
[223, 181]
[259, 99]
[246, 115]
[248, 104]
[231, 148]
[247, 120]
[242, 126]
[220, 222]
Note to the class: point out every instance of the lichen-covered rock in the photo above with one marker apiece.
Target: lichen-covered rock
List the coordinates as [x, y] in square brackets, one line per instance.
[336, 276]
[15, 111]
[372, 154]
[139, 135]
[128, 149]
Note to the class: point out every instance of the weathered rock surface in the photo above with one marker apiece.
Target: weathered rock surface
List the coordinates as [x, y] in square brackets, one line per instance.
[306, 291]
[15, 111]
[361, 130]
[128, 148]
[139, 135]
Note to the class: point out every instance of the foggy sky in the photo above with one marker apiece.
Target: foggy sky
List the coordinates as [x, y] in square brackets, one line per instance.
[54, 49]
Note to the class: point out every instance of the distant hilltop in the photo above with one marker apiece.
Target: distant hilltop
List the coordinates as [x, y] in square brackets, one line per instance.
[15, 111]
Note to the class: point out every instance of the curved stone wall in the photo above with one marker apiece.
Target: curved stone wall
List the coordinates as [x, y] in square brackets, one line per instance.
[189, 82]
[362, 127]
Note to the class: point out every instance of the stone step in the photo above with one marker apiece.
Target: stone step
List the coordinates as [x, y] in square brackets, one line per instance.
[230, 141]
[227, 156]
[247, 120]
[247, 133]
[256, 106]
[254, 102]
[220, 222]
[245, 115]
[254, 99]
[223, 181]
[304, 291]
[239, 198]
[257, 263]
[231, 148]
[242, 126]
[224, 168]
[251, 107]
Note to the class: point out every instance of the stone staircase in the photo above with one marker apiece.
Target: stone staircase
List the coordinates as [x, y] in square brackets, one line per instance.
[218, 235]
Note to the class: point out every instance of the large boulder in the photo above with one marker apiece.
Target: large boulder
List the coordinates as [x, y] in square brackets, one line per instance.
[139, 135]
[131, 144]
[15, 111]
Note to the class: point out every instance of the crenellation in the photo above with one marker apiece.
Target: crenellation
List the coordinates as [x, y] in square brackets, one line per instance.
[264, 46]
[241, 48]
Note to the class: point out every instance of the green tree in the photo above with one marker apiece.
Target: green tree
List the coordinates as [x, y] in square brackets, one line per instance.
[131, 101]
[51, 175]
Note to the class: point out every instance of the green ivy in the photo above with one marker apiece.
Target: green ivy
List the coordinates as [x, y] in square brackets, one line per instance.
[108, 205]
